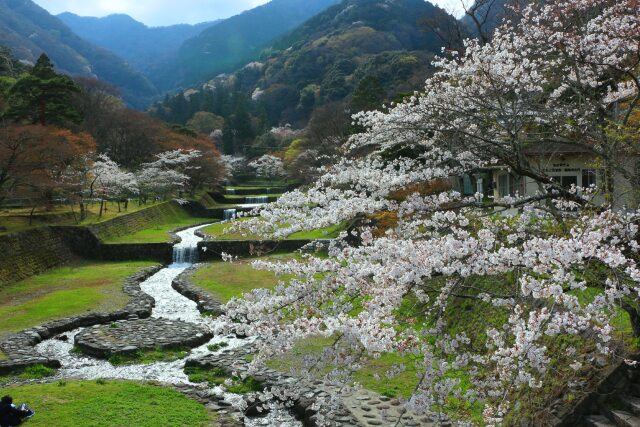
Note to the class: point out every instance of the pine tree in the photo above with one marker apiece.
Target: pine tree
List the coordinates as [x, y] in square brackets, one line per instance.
[43, 97]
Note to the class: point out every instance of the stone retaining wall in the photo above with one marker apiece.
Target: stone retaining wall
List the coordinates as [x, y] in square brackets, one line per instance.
[161, 252]
[206, 302]
[213, 249]
[20, 350]
[32, 252]
[254, 191]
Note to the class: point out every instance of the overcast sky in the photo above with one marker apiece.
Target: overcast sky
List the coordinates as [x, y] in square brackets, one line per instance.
[167, 12]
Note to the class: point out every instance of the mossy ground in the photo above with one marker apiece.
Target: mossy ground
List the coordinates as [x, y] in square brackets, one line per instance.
[63, 292]
[109, 403]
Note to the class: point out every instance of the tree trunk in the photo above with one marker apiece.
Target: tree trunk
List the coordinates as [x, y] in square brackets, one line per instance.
[75, 218]
[126, 204]
[101, 207]
[31, 215]
[634, 317]
[119, 206]
[83, 211]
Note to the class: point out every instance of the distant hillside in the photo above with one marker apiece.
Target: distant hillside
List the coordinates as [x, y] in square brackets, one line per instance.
[234, 41]
[332, 52]
[28, 30]
[140, 45]
[377, 50]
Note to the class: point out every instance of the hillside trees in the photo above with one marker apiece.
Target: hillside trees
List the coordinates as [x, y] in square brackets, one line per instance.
[491, 311]
[34, 160]
[43, 96]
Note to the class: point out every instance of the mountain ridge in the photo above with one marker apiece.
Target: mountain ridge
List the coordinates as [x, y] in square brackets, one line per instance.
[141, 45]
[231, 43]
[29, 30]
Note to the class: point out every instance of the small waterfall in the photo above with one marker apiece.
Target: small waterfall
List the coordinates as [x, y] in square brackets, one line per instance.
[229, 214]
[186, 252]
[230, 192]
[185, 255]
[256, 200]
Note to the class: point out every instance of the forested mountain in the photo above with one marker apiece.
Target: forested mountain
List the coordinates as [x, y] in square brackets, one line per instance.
[234, 41]
[370, 50]
[28, 30]
[326, 58]
[140, 45]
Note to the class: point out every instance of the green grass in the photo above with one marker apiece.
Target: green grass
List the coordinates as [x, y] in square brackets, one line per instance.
[227, 280]
[218, 376]
[64, 292]
[35, 372]
[221, 231]
[150, 356]
[217, 346]
[159, 233]
[112, 403]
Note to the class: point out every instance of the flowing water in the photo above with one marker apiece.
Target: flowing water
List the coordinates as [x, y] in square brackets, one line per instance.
[256, 200]
[230, 214]
[169, 305]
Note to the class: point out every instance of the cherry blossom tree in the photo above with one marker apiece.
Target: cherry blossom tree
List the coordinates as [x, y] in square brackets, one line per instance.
[111, 182]
[268, 166]
[487, 308]
[166, 175]
[233, 164]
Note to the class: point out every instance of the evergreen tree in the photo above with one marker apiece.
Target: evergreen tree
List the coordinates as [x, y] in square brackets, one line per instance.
[368, 96]
[43, 97]
[228, 138]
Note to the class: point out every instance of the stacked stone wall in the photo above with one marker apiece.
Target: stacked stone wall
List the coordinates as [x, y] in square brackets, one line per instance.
[32, 252]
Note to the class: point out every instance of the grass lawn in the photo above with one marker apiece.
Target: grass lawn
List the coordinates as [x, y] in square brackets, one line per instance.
[109, 403]
[226, 280]
[220, 232]
[63, 292]
[159, 233]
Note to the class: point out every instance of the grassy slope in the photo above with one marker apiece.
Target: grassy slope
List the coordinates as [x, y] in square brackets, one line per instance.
[227, 280]
[84, 404]
[220, 232]
[159, 233]
[64, 292]
[15, 220]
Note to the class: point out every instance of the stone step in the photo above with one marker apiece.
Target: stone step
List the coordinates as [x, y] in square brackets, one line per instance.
[631, 403]
[597, 421]
[625, 419]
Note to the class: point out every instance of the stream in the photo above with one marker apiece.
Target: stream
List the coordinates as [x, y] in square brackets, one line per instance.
[169, 305]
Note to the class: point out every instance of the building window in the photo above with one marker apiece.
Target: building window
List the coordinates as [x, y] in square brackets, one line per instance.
[503, 185]
[566, 181]
[589, 177]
